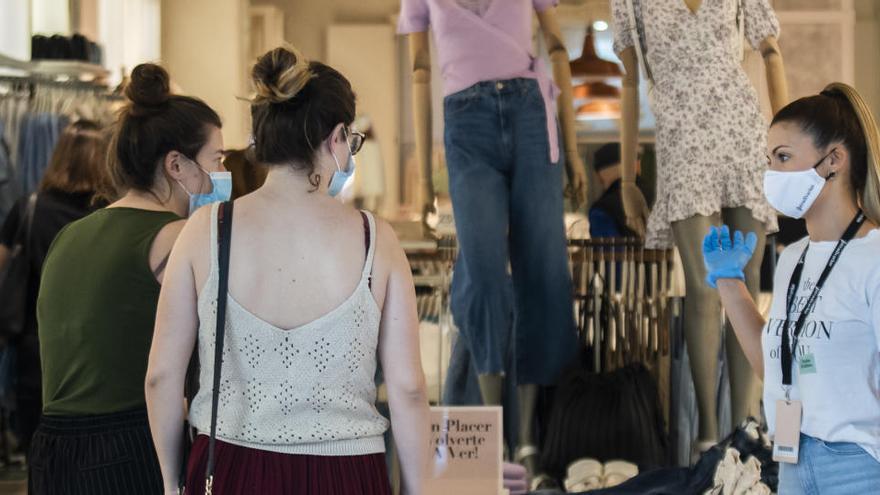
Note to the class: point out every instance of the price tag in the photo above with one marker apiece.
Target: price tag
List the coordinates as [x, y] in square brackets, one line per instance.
[808, 364]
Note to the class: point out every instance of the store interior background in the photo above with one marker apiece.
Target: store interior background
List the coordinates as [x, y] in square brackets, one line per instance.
[208, 46]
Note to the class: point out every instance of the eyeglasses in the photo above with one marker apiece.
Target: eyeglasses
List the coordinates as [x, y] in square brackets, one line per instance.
[355, 141]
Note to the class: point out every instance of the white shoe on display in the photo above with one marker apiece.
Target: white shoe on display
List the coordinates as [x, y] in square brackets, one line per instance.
[584, 475]
[617, 472]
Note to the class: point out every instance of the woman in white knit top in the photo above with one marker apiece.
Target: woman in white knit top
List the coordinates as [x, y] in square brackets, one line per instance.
[317, 291]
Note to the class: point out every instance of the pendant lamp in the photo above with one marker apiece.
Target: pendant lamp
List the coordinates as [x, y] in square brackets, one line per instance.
[589, 67]
[594, 98]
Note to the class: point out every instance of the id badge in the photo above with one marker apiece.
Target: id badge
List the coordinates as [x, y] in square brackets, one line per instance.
[786, 444]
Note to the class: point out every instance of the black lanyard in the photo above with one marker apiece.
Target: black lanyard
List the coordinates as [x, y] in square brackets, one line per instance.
[789, 349]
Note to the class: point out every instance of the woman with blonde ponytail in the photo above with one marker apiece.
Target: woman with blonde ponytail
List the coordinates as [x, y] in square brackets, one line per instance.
[819, 352]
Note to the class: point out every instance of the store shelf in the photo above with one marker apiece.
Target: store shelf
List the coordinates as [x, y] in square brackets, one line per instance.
[69, 68]
[13, 67]
[419, 246]
[435, 281]
[13, 63]
[53, 68]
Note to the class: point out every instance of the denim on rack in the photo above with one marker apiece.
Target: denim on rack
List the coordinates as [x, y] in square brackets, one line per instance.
[8, 185]
[37, 138]
[512, 271]
[830, 468]
[13, 107]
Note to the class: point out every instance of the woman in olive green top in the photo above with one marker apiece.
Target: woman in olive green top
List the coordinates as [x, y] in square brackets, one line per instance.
[99, 292]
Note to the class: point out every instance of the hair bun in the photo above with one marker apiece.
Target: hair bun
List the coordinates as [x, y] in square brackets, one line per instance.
[280, 75]
[150, 86]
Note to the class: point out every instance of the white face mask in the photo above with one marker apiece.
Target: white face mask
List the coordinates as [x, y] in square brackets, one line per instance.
[793, 193]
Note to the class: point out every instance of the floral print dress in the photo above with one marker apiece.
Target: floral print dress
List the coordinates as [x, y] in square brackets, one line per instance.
[711, 136]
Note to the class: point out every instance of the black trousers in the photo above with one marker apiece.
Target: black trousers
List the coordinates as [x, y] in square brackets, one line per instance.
[96, 455]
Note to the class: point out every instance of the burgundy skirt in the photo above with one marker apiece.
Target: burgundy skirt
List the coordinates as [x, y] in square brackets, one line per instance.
[242, 470]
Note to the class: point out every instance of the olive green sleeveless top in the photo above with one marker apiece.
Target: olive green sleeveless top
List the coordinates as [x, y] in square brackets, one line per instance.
[96, 311]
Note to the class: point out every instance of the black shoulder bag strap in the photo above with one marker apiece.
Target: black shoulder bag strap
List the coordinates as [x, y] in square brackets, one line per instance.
[25, 223]
[29, 218]
[224, 238]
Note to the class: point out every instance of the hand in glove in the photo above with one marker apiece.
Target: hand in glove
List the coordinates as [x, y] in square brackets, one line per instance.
[726, 259]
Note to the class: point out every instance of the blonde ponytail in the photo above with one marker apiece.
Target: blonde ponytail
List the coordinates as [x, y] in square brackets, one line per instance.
[870, 193]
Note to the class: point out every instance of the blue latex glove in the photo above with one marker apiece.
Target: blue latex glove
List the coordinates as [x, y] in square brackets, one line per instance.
[725, 258]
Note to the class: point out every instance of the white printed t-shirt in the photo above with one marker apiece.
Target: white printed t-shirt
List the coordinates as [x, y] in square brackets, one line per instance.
[841, 394]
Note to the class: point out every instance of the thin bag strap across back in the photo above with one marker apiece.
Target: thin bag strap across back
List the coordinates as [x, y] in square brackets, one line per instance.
[26, 221]
[224, 239]
[29, 217]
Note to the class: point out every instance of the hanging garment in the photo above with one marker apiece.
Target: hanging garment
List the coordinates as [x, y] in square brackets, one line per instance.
[13, 107]
[711, 135]
[39, 134]
[9, 191]
[605, 416]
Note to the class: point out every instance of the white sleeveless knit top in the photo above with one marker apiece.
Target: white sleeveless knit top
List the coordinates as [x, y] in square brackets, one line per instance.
[309, 390]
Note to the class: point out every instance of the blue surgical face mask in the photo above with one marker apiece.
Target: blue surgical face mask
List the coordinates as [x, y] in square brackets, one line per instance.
[221, 190]
[341, 177]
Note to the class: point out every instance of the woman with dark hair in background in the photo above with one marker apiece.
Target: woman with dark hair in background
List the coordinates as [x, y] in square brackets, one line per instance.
[99, 292]
[318, 293]
[75, 175]
[819, 353]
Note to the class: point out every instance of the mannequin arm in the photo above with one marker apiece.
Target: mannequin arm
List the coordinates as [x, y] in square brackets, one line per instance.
[577, 175]
[745, 319]
[634, 203]
[776, 83]
[420, 55]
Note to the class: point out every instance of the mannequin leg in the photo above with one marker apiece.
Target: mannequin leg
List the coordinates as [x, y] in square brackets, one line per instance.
[743, 380]
[527, 396]
[702, 315]
[491, 388]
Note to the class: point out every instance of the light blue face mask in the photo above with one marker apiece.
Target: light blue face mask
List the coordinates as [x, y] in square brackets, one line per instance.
[221, 190]
[341, 177]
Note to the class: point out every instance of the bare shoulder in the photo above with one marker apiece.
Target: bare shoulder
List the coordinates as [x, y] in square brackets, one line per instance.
[184, 234]
[387, 243]
[164, 241]
[167, 236]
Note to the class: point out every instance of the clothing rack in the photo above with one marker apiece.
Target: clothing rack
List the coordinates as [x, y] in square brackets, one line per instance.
[431, 263]
[37, 101]
[623, 302]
